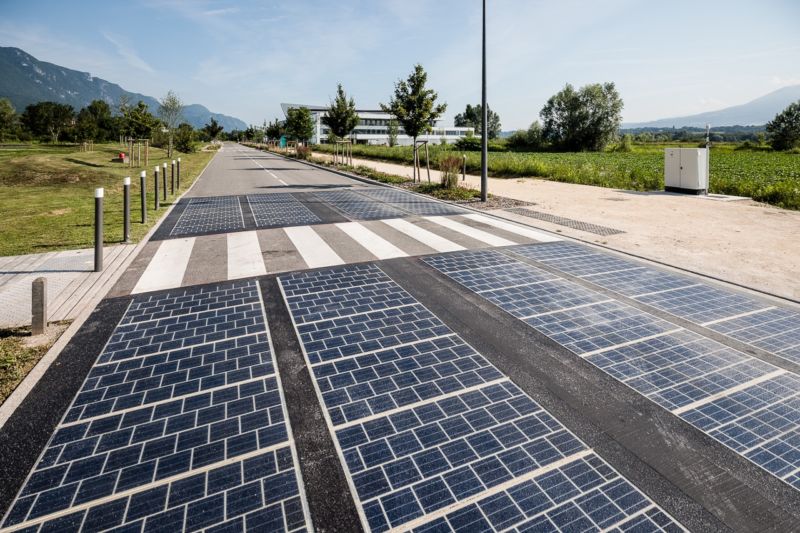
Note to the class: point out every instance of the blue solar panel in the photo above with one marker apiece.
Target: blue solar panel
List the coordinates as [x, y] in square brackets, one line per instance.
[358, 207]
[482, 260]
[640, 281]
[775, 330]
[188, 437]
[702, 303]
[218, 214]
[585, 265]
[432, 435]
[280, 209]
[411, 203]
[553, 250]
[682, 371]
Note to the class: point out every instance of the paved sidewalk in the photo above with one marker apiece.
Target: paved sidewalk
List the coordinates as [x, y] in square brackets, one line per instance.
[742, 242]
[72, 285]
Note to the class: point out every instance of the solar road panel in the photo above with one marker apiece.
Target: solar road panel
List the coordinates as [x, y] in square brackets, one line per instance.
[217, 214]
[434, 438]
[187, 436]
[280, 209]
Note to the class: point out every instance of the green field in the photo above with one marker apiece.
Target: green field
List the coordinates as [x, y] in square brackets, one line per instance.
[771, 177]
[47, 195]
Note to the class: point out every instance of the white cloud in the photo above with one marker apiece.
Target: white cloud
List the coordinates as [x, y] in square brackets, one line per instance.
[128, 53]
[779, 81]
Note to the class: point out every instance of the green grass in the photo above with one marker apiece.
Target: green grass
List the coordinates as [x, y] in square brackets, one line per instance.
[456, 194]
[47, 195]
[772, 177]
[16, 359]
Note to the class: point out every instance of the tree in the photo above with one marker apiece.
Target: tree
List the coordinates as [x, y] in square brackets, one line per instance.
[48, 119]
[393, 129]
[184, 138]
[473, 118]
[8, 118]
[213, 129]
[783, 131]
[341, 116]
[275, 130]
[586, 119]
[170, 111]
[530, 139]
[414, 106]
[95, 122]
[138, 122]
[299, 124]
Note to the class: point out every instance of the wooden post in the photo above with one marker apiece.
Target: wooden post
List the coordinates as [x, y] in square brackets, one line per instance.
[428, 161]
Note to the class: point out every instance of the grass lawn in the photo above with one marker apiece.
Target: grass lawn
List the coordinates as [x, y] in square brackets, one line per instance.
[18, 356]
[47, 195]
[771, 177]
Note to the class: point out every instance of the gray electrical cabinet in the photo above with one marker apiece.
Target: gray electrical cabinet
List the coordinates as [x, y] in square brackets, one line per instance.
[686, 170]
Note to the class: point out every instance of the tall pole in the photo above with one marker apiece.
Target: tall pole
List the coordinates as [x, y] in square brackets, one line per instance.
[126, 210]
[98, 230]
[485, 114]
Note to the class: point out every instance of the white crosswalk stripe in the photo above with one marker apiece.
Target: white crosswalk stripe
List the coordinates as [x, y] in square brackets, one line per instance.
[314, 250]
[375, 244]
[428, 238]
[469, 231]
[167, 267]
[244, 255]
[512, 228]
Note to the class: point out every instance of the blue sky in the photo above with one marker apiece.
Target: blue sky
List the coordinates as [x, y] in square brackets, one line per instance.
[244, 58]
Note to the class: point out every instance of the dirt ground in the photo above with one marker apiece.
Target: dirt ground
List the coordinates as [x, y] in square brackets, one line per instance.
[740, 241]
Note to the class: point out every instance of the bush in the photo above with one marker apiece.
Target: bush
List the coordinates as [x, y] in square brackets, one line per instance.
[303, 152]
[473, 144]
[449, 165]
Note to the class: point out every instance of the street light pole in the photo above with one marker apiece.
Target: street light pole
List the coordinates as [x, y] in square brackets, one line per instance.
[484, 116]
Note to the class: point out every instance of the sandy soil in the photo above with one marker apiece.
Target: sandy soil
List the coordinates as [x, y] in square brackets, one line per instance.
[739, 241]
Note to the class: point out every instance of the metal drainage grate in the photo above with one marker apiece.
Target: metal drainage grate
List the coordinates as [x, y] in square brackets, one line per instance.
[568, 222]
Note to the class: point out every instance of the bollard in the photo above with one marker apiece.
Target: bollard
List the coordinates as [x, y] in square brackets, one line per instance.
[179, 173]
[143, 194]
[98, 230]
[464, 172]
[126, 210]
[155, 187]
[39, 306]
[164, 181]
[172, 177]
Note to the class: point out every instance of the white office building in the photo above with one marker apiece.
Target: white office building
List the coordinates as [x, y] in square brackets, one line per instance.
[373, 128]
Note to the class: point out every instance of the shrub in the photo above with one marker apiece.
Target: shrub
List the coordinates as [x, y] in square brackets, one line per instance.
[303, 152]
[449, 165]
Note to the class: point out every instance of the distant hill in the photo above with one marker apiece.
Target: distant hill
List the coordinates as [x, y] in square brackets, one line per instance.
[25, 80]
[757, 112]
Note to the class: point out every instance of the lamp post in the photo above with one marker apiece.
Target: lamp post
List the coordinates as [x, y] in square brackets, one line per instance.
[484, 116]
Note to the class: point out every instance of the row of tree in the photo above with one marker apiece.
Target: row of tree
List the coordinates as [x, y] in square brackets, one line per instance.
[56, 122]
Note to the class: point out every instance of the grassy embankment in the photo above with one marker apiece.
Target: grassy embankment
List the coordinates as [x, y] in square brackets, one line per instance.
[47, 195]
[771, 177]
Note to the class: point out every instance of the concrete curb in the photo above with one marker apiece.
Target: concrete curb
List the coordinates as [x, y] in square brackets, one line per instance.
[29, 382]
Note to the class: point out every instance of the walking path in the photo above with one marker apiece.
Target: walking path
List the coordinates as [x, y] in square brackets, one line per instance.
[742, 242]
[72, 284]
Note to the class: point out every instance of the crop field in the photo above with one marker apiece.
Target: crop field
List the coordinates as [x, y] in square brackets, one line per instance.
[771, 177]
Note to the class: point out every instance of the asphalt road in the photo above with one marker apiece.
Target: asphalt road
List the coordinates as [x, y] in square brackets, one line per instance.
[346, 358]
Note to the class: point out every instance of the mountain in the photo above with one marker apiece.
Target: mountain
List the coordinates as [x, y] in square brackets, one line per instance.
[759, 111]
[25, 80]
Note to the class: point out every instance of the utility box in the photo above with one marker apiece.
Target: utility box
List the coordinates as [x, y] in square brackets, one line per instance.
[686, 170]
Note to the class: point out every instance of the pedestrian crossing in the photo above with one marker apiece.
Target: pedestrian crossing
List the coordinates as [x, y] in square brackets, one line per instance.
[259, 252]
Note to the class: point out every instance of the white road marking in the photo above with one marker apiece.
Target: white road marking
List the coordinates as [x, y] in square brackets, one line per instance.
[314, 250]
[469, 231]
[374, 243]
[244, 255]
[513, 228]
[167, 267]
[428, 238]
[268, 171]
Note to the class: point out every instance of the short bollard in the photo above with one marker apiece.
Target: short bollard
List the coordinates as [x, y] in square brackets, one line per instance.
[164, 181]
[464, 171]
[179, 173]
[126, 210]
[98, 230]
[39, 306]
[143, 194]
[155, 186]
[172, 177]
